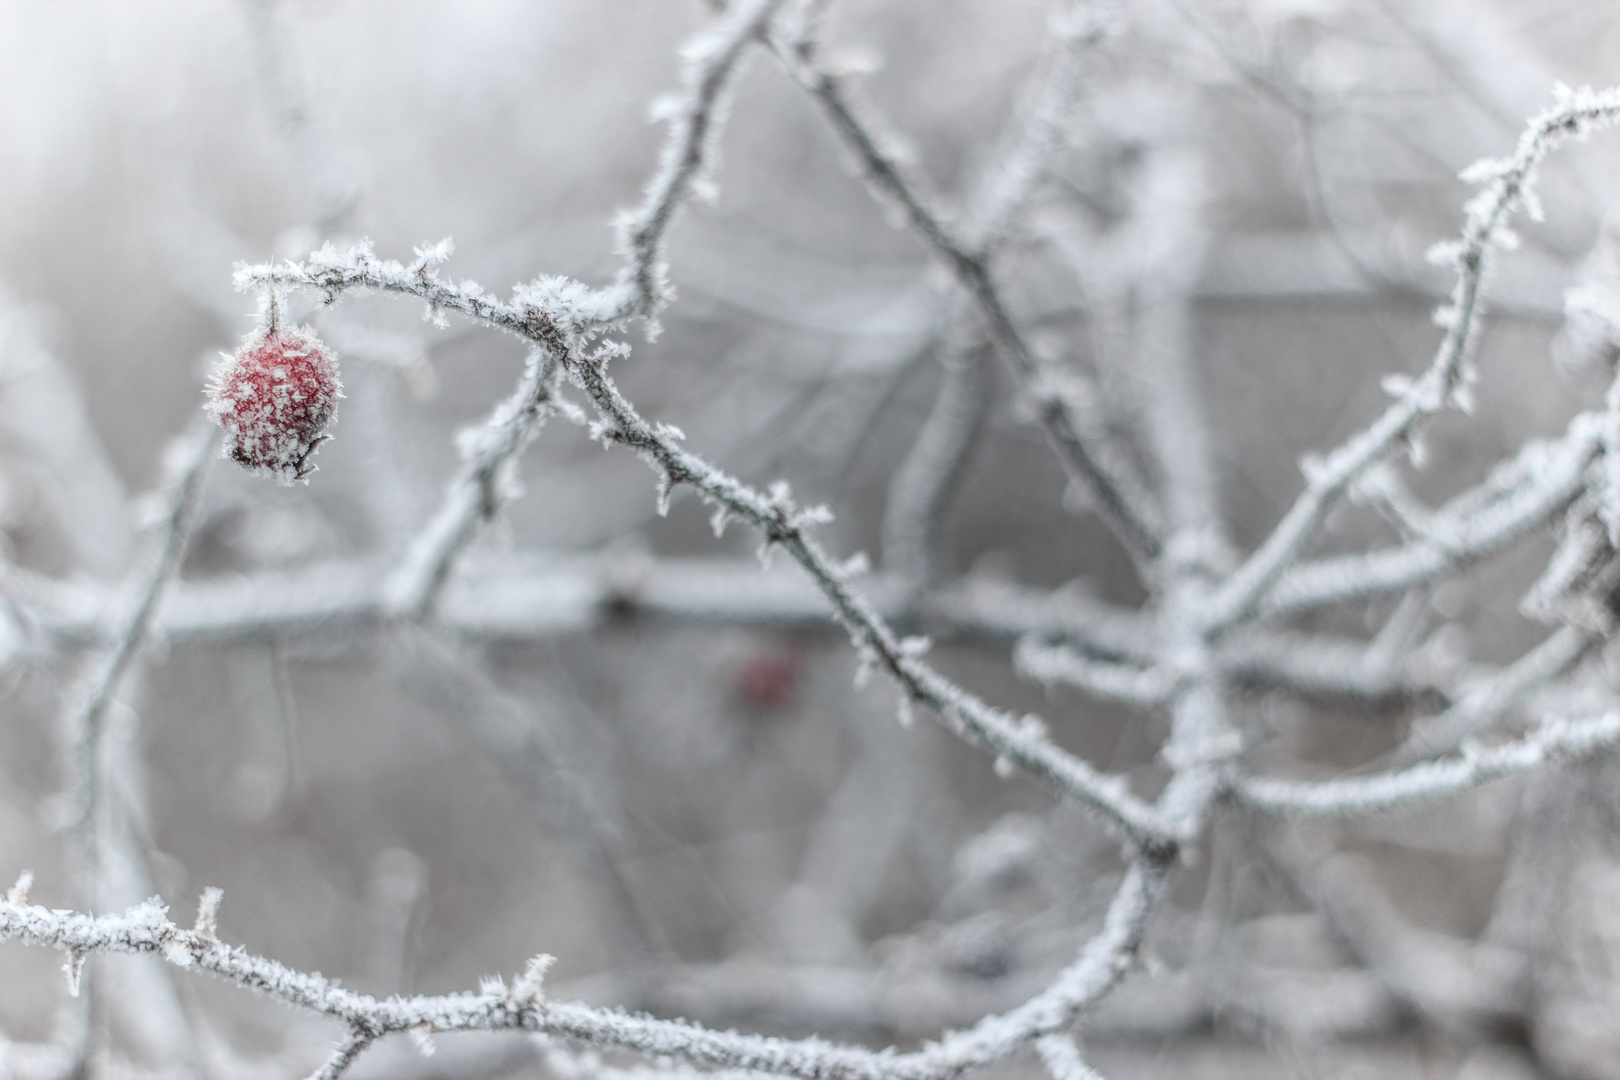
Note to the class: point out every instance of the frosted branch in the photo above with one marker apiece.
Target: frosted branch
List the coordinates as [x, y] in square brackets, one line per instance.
[924, 481]
[147, 929]
[1555, 476]
[539, 594]
[1062, 1058]
[1553, 740]
[712, 62]
[487, 480]
[1322, 667]
[1202, 738]
[346, 1054]
[549, 314]
[1052, 664]
[1509, 186]
[1119, 497]
[187, 461]
[710, 66]
[1077, 29]
[1021, 742]
[543, 593]
[1482, 705]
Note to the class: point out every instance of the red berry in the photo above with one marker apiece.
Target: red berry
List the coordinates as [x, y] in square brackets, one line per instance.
[274, 399]
[767, 681]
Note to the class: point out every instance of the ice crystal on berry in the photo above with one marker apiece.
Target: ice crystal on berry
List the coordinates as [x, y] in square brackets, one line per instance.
[274, 399]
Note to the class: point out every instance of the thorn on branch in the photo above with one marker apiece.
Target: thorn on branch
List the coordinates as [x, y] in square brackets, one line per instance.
[429, 256]
[17, 896]
[73, 967]
[528, 989]
[207, 925]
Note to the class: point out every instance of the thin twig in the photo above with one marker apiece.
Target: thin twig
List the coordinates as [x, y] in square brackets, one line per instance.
[347, 1052]
[187, 462]
[924, 481]
[1494, 697]
[476, 495]
[1078, 29]
[1426, 782]
[1557, 479]
[712, 63]
[1119, 496]
[1052, 664]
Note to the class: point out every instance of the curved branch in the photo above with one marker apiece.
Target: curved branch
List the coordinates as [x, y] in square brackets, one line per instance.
[712, 64]
[147, 929]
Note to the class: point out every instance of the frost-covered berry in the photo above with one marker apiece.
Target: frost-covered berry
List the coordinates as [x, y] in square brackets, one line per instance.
[274, 399]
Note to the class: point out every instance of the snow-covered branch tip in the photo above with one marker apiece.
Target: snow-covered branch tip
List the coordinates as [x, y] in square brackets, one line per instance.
[1509, 187]
[1554, 740]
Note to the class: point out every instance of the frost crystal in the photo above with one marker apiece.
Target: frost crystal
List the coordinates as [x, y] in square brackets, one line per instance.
[274, 399]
